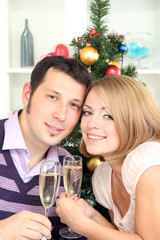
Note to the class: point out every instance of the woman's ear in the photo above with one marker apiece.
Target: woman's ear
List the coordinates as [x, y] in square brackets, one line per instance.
[26, 93]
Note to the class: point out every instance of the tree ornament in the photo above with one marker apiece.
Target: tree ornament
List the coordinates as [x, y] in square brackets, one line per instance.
[123, 48]
[93, 162]
[61, 50]
[89, 55]
[112, 70]
[114, 63]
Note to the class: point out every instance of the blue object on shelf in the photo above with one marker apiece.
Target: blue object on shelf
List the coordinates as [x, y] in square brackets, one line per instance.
[136, 50]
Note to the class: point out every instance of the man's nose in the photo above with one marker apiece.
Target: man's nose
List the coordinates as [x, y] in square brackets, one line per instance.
[60, 111]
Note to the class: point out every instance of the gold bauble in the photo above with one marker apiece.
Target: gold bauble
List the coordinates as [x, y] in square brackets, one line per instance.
[93, 162]
[89, 55]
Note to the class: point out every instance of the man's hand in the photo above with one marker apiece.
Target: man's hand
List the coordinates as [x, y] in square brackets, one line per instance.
[25, 225]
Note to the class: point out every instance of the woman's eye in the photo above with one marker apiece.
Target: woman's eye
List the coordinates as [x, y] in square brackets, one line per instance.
[107, 116]
[87, 113]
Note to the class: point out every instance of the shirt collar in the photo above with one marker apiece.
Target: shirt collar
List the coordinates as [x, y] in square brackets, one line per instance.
[13, 138]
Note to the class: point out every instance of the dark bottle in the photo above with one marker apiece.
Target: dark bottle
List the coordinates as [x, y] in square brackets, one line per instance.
[27, 48]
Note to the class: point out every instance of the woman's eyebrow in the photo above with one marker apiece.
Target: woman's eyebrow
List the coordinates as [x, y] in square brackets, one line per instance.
[85, 105]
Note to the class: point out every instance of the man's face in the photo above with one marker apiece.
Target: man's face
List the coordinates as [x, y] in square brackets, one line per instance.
[55, 108]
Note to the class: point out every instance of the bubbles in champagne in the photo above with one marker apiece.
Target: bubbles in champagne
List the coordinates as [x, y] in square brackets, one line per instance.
[72, 177]
[48, 185]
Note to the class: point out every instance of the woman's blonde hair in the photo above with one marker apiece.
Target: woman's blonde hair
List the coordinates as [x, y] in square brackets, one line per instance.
[133, 109]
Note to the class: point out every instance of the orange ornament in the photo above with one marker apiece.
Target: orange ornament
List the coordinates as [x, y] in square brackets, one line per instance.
[114, 63]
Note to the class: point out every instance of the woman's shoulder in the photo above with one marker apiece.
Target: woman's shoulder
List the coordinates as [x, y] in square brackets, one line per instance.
[147, 146]
[101, 169]
[137, 161]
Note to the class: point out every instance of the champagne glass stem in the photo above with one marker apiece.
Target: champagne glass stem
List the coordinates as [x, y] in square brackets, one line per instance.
[72, 177]
[46, 212]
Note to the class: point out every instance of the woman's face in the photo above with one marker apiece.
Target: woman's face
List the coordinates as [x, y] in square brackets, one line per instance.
[98, 128]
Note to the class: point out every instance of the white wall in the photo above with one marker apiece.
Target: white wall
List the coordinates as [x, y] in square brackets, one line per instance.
[4, 81]
[52, 22]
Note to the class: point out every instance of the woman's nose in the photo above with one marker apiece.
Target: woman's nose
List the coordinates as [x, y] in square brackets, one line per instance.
[94, 122]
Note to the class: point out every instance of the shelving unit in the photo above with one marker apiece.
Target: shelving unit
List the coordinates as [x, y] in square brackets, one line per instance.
[53, 22]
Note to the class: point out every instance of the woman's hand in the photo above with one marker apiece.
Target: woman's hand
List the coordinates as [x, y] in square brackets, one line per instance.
[25, 225]
[80, 216]
[70, 210]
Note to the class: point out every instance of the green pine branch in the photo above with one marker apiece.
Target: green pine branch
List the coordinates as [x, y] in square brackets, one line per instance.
[99, 9]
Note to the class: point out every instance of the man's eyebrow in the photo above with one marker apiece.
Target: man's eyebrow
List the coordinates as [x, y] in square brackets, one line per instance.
[51, 90]
[58, 93]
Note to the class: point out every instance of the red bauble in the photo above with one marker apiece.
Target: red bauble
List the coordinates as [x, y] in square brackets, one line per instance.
[51, 54]
[62, 50]
[112, 70]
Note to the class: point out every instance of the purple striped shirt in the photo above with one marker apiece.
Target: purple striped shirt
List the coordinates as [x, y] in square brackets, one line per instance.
[19, 187]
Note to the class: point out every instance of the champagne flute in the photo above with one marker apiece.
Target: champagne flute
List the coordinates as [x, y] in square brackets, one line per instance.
[49, 180]
[72, 178]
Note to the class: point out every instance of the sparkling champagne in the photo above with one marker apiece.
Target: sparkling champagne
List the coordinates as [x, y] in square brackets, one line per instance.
[72, 177]
[49, 186]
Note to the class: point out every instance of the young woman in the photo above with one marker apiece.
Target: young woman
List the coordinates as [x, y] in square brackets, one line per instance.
[121, 122]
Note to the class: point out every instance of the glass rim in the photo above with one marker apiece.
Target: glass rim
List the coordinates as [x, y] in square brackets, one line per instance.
[50, 161]
[73, 158]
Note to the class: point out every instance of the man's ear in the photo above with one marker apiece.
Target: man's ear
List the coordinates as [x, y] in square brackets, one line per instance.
[26, 93]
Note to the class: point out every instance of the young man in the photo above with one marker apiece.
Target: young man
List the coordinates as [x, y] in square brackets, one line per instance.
[52, 107]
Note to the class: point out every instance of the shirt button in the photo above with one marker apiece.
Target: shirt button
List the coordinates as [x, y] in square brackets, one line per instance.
[120, 224]
[26, 152]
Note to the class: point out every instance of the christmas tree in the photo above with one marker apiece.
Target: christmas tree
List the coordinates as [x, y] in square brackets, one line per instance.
[110, 47]
[102, 53]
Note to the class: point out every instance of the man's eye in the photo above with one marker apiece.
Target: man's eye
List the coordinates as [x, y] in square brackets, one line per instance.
[87, 113]
[107, 116]
[74, 105]
[52, 97]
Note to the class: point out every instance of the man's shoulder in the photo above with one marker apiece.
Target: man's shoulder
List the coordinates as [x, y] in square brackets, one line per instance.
[2, 121]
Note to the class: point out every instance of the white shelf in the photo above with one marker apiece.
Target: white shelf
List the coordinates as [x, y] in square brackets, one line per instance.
[30, 69]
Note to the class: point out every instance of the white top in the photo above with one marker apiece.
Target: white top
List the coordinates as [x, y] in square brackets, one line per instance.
[136, 162]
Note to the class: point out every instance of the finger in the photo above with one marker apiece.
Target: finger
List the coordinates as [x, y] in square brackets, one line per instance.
[61, 220]
[35, 230]
[76, 199]
[30, 234]
[63, 194]
[36, 217]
